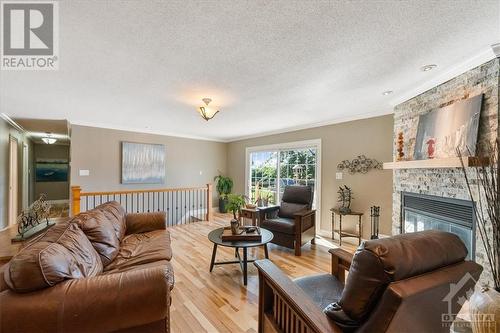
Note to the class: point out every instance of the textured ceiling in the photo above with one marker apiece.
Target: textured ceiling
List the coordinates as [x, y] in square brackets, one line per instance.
[269, 65]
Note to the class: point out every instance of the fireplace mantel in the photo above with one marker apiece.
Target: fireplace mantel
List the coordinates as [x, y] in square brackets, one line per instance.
[452, 162]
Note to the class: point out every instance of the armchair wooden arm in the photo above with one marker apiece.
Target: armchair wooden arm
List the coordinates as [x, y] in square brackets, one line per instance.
[302, 217]
[341, 262]
[284, 307]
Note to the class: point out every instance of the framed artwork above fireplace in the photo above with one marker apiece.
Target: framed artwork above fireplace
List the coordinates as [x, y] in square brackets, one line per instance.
[441, 132]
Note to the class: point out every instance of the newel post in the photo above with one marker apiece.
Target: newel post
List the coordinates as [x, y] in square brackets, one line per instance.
[75, 200]
[209, 202]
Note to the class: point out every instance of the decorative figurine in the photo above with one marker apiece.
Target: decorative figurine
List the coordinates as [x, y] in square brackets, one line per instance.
[33, 216]
[374, 216]
[400, 147]
[431, 147]
[345, 197]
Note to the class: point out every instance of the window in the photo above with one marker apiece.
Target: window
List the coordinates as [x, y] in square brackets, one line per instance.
[270, 169]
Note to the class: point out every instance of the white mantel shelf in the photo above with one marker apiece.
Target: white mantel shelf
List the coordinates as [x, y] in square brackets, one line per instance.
[436, 163]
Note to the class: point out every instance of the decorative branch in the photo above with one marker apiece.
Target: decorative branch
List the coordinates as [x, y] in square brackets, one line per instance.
[487, 205]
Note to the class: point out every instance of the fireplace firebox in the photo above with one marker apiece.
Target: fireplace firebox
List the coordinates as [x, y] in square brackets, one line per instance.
[423, 212]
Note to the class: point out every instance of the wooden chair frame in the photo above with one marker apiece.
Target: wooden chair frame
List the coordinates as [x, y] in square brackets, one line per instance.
[285, 307]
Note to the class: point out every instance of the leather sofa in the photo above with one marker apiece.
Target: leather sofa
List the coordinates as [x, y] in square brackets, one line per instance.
[293, 222]
[101, 271]
[407, 283]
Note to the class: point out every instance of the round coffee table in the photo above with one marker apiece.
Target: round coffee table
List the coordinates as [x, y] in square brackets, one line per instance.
[215, 237]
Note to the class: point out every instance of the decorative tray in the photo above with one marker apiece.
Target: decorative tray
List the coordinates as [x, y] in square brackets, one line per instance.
[246, 234]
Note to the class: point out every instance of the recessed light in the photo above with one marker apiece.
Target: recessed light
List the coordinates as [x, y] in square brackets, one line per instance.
[427, 68]
[388, 92]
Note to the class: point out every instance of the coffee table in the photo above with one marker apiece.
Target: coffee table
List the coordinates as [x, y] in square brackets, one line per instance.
[215, 237]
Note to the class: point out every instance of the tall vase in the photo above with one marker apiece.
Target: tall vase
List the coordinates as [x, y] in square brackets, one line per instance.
[485, 311]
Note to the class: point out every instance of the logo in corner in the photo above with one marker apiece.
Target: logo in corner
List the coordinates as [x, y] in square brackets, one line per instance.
[30, 35]
[459, 294]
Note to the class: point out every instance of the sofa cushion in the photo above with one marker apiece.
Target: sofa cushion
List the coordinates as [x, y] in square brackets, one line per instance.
[100, 232]
[168, 269]
[116, 215]
[64, 252]
[286, 226]
[298, 194]
[138, 249]
[323, 289]
[288, 209]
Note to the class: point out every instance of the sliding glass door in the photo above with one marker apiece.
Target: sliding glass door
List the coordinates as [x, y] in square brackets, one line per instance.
[271, 168]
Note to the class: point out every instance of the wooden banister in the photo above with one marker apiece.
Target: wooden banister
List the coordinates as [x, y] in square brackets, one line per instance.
[88, 194]
[182, 205]
[75, 199]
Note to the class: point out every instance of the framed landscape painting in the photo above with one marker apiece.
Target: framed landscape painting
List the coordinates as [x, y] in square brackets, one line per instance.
[143, 163]
[441, 132]
[51, 170]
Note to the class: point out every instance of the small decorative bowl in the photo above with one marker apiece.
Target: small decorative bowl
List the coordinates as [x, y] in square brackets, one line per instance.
[251, 206]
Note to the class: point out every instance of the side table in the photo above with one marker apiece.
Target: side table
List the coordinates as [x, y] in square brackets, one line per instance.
[250, 213]
[342, 233]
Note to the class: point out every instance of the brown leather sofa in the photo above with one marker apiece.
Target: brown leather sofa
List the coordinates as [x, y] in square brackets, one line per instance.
[293, 222]
[397, 284]
[102, 271]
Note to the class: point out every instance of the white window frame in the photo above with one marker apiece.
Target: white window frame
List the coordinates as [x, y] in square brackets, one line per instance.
[315, 143]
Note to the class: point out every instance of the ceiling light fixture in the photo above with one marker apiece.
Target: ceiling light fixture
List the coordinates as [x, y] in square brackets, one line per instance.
[387, 92]
[49, 139]
[427, 68]
[206, 112]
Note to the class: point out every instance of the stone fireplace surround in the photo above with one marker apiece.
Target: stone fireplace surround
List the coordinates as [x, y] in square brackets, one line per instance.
[445, 182]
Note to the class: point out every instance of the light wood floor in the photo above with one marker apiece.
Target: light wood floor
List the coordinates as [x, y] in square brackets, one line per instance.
[218, 301]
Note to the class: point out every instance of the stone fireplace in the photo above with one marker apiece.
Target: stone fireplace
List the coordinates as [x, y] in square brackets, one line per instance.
[444, 184]
[428, 212]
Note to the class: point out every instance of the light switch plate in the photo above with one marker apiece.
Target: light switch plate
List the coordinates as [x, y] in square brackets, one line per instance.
[84, 173]
[338, 175]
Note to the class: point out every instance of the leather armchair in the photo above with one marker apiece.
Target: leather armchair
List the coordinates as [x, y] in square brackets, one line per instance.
[293, 222]
[396, 284]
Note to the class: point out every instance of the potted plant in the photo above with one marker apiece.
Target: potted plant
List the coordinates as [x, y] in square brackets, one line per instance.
[483, 185]
[224, 186]
[234, 204]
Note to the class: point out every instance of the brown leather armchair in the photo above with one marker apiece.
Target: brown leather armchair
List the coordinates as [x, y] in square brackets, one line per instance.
[293, 222]
[397, 284]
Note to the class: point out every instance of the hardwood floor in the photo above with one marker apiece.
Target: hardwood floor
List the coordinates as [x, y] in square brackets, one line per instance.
[218, 301]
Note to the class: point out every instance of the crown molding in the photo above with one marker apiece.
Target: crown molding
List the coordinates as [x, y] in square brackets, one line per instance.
[478, 59]
[315, 125]
[11, 122]
[143, 131]
[257, 135]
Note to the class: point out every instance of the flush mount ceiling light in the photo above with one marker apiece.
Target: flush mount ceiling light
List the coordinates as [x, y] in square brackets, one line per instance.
[206, 112]
[49, 139]
[427, 68]
[387, 92]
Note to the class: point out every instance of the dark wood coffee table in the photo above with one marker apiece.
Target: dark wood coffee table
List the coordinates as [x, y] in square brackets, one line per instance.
[215, 237]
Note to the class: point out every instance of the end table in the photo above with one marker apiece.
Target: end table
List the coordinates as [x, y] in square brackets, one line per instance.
[345, 233]
[250, 213]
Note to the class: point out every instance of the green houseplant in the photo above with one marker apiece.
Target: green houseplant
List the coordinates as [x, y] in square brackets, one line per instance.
[224, 186]
[234, 204]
